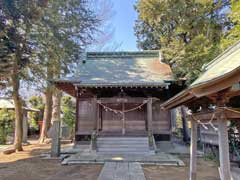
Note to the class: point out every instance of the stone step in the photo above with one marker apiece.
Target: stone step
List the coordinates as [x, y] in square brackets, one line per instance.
[123, 145]
[122, 142]
[123, 149]
[123, 153]
[123, 138]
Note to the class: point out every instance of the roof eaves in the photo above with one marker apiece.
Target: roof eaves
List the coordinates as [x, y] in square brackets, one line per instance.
[122, 84]
[178, 99]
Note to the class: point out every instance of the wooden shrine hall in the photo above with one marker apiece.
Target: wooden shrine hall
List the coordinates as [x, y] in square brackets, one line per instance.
[120, 93]
[214, 100]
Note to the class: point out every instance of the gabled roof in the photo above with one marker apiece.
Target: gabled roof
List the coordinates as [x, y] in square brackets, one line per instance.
[8, 103]
[121, 69]
[219, 74]
[225, 63]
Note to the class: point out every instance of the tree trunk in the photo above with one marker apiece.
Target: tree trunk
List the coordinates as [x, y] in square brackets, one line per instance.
[56, 105]
[47, 116]
[184, 125]
[18, 113]
[56, 121]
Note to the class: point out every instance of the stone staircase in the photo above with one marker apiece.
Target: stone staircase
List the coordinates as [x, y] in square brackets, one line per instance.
[123, 145]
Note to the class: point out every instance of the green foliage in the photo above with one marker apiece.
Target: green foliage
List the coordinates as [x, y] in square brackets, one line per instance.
[69, 112]
[6, 124]
[16, 20]
[63, 32]
[232, 34]
[34, 118]
[187, 32]
[36, 102]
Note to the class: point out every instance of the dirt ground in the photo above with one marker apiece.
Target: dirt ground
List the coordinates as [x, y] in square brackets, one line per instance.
[206, 170]
[27, 165]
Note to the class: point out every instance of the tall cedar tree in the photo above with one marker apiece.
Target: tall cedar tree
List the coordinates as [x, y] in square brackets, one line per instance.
[64, 30]
[188, 32]
[16, 18]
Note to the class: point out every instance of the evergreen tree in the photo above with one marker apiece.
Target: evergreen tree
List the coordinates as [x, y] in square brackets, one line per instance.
[232, 34]
[188, 32]
[63, 32]
[16, 18]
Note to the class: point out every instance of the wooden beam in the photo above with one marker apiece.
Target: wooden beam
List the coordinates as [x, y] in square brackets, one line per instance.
[204, 116]
[121, 100]
[217, 85]
[193, 151]
[149, 114]
[223, 148]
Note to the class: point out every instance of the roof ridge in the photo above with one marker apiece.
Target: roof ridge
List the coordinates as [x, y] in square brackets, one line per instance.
[123, 54]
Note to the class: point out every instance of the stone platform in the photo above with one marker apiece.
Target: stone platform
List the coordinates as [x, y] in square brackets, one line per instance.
[94, 158]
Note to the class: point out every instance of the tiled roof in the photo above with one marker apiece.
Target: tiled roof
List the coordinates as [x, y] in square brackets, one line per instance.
[225, 65]
[9, 104]
[220, 66]
[121, 68]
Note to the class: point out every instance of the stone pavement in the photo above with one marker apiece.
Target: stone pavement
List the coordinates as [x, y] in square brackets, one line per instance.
[121, 171]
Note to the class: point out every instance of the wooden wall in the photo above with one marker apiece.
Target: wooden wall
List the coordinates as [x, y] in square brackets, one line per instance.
[161, 120]
[135, 121]
[85, 122]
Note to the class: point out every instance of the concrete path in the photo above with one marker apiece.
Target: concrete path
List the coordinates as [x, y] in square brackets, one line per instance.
[121, 171]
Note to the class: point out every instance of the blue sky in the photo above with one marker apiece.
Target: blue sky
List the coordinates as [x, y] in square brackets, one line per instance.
[123, 23]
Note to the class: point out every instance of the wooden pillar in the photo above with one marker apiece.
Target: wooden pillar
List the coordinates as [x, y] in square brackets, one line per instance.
[94, 113]
[223, 148]
[193, 151]
[77, 113]
[123, 120]
[98, 122]
[25, 126]
[149, 114]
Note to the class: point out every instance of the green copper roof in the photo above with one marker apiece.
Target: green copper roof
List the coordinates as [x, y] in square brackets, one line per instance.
[121, 68]
[225, 63]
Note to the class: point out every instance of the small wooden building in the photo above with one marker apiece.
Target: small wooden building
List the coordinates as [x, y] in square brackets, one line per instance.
[214, 100]
[120, 93]
[8, 103]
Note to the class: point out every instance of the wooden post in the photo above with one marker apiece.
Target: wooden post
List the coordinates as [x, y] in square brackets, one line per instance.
[123, 120]
[193, 151]
[77, 111]
[55, 149]
[25, 126]
[223, 148]
[98, 122]
[94, 113]
[149, 114]
[184, 125]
